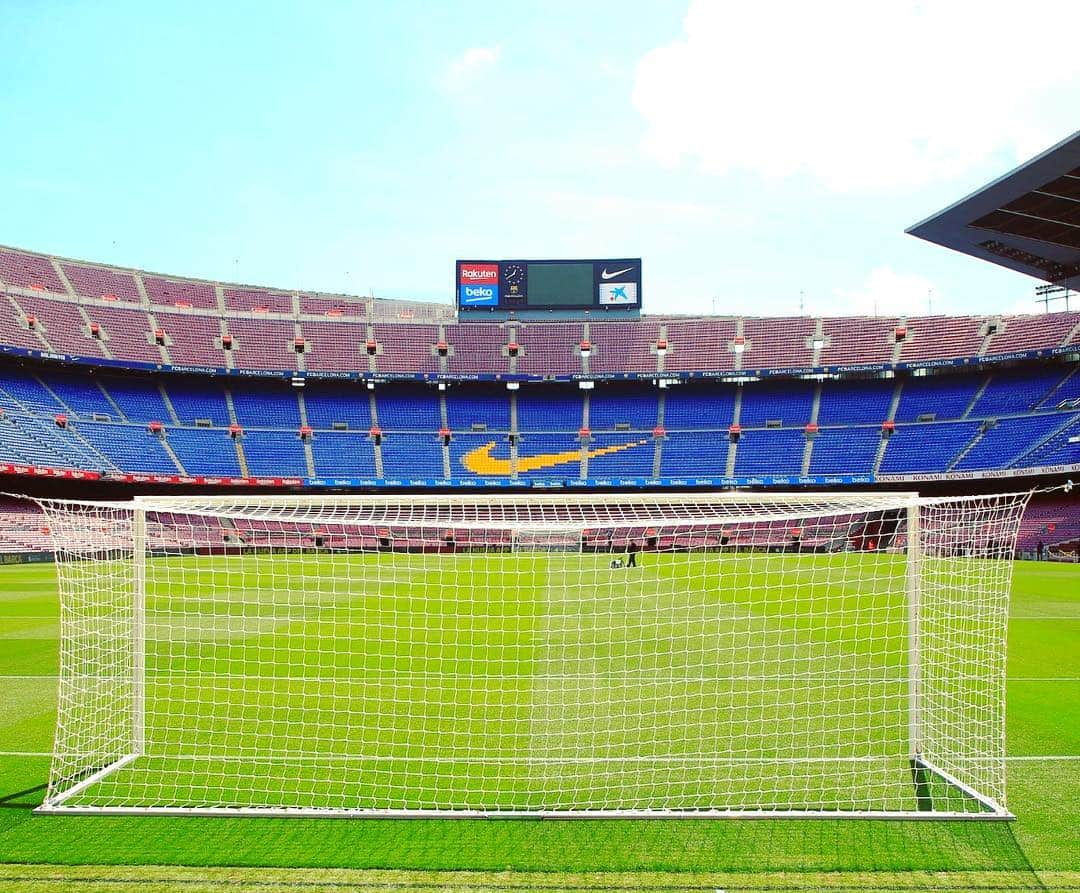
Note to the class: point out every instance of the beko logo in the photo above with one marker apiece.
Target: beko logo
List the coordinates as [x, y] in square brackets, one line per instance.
[475, 294]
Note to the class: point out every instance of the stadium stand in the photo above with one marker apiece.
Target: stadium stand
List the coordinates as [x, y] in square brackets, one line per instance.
[838, 450]
[623, 407]
[1013, 413]
[940, 397]
[696, 406]
[690, 454]
[764, 451]
[412, 456]
[926, 447]
[549, 408]
[700, 344]
[331, 404]
[467, 408]
[851, 402]
[787, 402]
[550, 348]
[274, 453]
[775, 423]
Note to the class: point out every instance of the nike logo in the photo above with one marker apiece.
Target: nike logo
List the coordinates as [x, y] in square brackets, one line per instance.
[604, 274]
[480, 461]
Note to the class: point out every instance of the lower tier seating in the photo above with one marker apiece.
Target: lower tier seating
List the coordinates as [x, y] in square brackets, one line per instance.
[174, 424]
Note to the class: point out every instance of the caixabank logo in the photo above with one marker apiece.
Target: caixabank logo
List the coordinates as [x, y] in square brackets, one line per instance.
[478, 285]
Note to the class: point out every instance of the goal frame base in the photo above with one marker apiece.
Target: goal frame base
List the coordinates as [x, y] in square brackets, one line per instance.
[991, 810]
[521, 815]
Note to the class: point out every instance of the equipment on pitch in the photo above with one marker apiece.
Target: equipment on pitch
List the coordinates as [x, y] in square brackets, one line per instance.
[343, 655]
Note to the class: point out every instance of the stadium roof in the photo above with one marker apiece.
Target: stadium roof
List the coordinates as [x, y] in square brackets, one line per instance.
[1027, 220]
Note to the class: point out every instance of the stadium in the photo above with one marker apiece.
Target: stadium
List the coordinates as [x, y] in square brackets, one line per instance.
[766, 602]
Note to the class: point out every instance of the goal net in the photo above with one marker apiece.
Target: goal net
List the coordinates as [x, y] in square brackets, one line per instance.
[671, 655]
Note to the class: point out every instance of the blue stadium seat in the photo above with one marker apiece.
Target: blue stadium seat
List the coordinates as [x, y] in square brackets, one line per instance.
[79, 392]
[1003, 444]
[343, 454]
[266, 404]
[636, 460]
[702, 407]
[1015, 390]
[130, 447]
[614, 404]
[467, 406]
[205, 451]
[789, 401]
[26, 390]
[854, 402]
[192, 398]
[847, 450]
[1062, 448]
[274, 453]
[541, 408]
[688, 454]
[330, 402]
[412, 456]
[947, 396]
[927, 447]
[543, 448]
[407, 408]
[776, 451]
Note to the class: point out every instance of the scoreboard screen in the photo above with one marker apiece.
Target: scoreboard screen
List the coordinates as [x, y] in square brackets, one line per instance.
[549, 284]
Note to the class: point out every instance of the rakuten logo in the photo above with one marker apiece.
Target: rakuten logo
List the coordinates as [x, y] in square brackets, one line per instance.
[470, 274]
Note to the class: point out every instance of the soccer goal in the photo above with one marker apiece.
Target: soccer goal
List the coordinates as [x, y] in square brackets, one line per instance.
[764, 654]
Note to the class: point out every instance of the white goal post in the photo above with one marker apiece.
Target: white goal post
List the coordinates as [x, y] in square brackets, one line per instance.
[660, 655]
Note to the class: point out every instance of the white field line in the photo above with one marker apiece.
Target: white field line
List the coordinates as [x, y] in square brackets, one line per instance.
[16, 618]
[386, 678]
[1045, 617]
[513, 760]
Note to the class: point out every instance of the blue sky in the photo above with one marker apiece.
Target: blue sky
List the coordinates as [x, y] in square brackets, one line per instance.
[747, 152]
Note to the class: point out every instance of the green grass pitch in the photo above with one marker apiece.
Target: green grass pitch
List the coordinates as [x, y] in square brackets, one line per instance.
[1041, 850]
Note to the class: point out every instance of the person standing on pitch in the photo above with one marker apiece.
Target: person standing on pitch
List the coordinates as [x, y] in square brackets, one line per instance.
[631, 554]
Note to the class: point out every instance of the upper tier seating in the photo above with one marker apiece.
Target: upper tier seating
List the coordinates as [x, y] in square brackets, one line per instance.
[858, 339]
[264, 322]
[699, 344]
[623, 346]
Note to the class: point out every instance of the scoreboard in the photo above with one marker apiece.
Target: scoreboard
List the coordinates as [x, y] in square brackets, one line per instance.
[549, 284]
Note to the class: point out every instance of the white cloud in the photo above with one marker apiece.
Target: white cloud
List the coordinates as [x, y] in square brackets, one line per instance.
[473, 65]
[860, 95]
[885, 293]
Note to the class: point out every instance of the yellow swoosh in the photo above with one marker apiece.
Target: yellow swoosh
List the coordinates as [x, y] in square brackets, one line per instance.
[480, 460]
